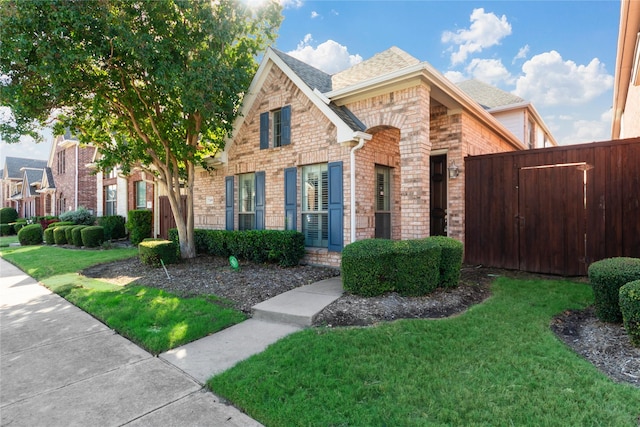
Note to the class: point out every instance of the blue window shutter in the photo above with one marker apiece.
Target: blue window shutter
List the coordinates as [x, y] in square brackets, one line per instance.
[290, 198]
[335, 214]
[260, 200]
[286, 125]
[264, 130]
[228, 202]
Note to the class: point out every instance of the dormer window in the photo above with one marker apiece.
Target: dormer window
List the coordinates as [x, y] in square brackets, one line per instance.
[275, 128]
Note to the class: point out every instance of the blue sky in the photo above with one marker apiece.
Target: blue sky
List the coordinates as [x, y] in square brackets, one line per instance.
[558, 54]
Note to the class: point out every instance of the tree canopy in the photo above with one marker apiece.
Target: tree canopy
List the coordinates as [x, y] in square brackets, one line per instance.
[154, 85]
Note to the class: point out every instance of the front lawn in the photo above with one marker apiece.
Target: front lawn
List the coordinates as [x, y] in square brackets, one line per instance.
[154, 319]
[497, 364]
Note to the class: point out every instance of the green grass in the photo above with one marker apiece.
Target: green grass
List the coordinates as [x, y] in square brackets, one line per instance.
[7, 240]
[496, 365]
[154, 319]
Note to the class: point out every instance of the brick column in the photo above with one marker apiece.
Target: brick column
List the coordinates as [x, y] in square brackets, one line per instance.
[415, 148]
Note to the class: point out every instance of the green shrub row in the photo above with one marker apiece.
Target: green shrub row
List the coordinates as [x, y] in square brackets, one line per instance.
[60, 224]
[30, 235]
[6, 230]
[49, 239]
[75, 235]
[92, 236]
[139, 223]
[375, 266]
[283, 247]
[607, 276]
[630, 308]
[151, 251]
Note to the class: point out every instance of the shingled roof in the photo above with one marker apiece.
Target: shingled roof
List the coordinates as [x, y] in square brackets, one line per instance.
[13, 165]
[488, 96]
[318, 79]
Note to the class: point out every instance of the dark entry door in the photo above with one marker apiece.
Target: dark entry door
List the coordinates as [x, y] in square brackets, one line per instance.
[552, 219]
[438, 208]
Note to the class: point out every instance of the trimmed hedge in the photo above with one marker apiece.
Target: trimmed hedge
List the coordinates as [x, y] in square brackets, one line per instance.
[283, 247]
[630, 308]
[139, 225]
[68, 234]
[61, 224]
[375, 266]
[92, 236]
[19, 225]
[49, 239]
[76, 235]
[151, 251]
[607, 276]
[6, 230]
[30, 235]
[60, 234]
[114, 226]
[451, 260]
[7, 215]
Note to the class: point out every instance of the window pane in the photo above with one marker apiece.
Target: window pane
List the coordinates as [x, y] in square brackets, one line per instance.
[246, 221]
[141, 195]
[383, 188]
[315, 228]
[247, 193]
[277, 128]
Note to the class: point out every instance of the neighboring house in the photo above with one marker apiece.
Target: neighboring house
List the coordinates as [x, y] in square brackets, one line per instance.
[626, 90]
[13, 181]
[118, 194]
[376, 150]
[516, 114]
[69, 183]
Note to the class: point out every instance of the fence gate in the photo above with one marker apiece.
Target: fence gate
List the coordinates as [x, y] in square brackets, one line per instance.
[552, 218]
[167, 221]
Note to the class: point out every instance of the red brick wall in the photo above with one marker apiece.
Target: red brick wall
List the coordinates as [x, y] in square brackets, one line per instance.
[65, 181]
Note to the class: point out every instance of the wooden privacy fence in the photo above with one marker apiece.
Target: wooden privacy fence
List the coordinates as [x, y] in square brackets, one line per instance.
[553, 210]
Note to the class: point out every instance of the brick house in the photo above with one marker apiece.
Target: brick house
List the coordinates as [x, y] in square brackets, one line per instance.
[20, 179]
[373, 151]
[69, 183]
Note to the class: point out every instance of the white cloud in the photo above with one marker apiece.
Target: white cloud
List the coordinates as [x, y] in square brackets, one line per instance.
[330, 56]
[580, 128]
[291, 4]
[314, 14]
[486, 30]
[455, 76]
[550, 80]
[522, 54]
[490, 71]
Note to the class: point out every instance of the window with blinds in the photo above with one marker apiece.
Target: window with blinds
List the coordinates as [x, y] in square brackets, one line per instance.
[383, 202]
[315, 205]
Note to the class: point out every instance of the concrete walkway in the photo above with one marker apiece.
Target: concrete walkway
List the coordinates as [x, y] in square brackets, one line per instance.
[61, 367]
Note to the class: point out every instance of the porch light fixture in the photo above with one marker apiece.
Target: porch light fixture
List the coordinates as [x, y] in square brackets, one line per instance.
[454, 171]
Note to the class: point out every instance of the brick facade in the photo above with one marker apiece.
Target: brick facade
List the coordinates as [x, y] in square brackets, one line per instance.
[72, 176]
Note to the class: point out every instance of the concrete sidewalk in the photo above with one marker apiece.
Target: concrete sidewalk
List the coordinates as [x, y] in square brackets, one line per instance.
[60, 366]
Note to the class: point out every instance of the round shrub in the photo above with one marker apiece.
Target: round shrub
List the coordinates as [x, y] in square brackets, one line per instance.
[92, 236]
[450, 261]
[30, 235]
[151, 251]
[76, 236]
[8, 215]
[607, 276]
[60, 235]
[630, 308]
[81, 216]
[49, 239]
[68, 234]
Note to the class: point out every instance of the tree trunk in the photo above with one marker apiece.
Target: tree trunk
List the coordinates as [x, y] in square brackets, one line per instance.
[185, 228]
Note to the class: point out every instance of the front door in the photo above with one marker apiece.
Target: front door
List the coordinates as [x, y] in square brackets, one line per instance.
[438, 204]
